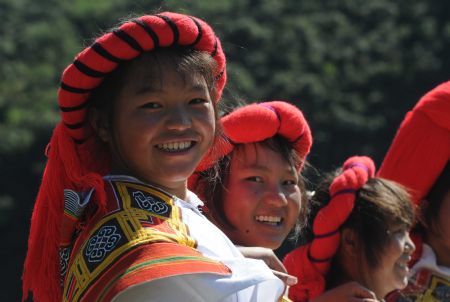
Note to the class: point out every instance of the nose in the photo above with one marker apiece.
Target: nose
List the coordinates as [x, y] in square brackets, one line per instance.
[178, 118]
[275, 197]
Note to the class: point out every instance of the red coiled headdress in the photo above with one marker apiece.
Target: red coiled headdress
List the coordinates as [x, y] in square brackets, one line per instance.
[311, 262]
[421, 148]
[255, 123]
[74, 159]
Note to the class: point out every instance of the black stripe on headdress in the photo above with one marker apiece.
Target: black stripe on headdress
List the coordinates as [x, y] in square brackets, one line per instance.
[298, 138]
[128, 39]
[104, 53]
[74, 126]
[79, 141]
[73, 108]
[173, 26]
[149, 31]
[219, 75]
[326, 234]
[88, 70]
[200, 32]
[214, 52]
[312, 259]
[74, 89]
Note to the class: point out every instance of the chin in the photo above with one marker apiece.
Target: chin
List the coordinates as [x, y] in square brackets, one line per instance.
[178, 175]
[269, 244]
[403, 284]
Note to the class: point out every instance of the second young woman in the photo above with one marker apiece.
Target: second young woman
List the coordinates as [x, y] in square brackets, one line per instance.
[252, 183]
[360, 244]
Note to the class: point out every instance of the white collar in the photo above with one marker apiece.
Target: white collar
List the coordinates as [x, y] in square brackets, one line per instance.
[428, 260]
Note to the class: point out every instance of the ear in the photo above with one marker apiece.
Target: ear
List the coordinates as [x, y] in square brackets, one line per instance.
[349, 242]
[99, 123]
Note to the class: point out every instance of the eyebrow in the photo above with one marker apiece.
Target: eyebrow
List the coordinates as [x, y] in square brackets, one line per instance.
[150, 86]
[265, 169]
[198, 87]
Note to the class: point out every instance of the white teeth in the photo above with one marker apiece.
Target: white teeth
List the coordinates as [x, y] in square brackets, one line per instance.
[174, 146]
[275, 220]
[402, 265]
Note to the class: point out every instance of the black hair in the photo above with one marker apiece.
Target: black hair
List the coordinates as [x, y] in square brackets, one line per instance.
[379, 204]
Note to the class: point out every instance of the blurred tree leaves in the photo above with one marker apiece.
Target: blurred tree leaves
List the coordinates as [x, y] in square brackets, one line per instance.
[354, 67]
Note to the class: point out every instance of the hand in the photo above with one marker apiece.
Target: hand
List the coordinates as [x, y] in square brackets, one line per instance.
[272, 261]
[348, 292]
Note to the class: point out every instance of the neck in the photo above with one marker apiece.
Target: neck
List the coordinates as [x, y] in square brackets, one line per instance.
[178, 189]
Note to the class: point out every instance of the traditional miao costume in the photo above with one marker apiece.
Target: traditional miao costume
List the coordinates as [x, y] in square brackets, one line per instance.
[255, 123]
[416, 159]
[112, 237]
[310, 263]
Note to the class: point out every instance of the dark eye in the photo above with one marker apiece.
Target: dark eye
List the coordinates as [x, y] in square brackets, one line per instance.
[289, 182]
[198, 101]
[254, 179]
[398, 233]
[151, 105]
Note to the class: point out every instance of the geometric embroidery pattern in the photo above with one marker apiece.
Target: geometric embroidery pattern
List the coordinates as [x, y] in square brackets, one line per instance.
[64, 254]
[441, 291]
[101, 243]
[138, 214]
[150, 204]
[425, 286]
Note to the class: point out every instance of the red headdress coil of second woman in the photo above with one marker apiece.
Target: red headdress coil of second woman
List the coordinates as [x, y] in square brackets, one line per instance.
[311, 262]
[74, 159]
[255, 123]
[260, 121]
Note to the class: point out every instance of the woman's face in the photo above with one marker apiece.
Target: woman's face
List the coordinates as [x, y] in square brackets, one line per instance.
[161, 129]
[392, 273]
[262, 197]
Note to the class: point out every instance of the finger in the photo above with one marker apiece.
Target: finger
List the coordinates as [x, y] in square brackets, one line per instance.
[276, 264]
[362, 292]
[287, 279]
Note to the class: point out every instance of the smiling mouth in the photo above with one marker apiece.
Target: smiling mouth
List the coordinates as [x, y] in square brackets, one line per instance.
[269, 220]
[403, 265]
[176, 146]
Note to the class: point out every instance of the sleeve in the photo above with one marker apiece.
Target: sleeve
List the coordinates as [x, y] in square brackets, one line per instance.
[198, 287]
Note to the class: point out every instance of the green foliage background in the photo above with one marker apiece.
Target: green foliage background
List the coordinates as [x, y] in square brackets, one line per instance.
[354, 67]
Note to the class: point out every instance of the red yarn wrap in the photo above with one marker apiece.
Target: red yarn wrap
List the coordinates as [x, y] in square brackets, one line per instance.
[421, 149]
[255, 123]
[310, 263]
[75, 160]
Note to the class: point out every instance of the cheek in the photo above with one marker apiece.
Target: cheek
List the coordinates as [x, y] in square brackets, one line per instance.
[208, 122]
[238, 205]
[294, 203]
[393, 253]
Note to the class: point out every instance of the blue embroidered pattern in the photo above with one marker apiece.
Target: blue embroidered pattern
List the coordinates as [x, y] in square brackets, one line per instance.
[150, 204]
[64, 254]
[101, 243]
